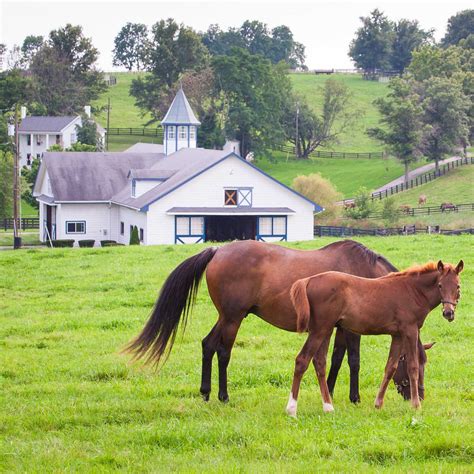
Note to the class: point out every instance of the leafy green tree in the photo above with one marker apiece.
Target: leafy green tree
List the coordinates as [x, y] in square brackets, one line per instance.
[323, 129]
[220, 42]
[78, 146]
[64, 74]
[446, 117]
[29, 175]
[134, 237]
[87, 132]
[254, 92]
[390, 212]
[460, 26]
[130, 46]
[372, 47]
[31, 45]
[402, 119]
[408, 36]
[363, 204]
[6, 184]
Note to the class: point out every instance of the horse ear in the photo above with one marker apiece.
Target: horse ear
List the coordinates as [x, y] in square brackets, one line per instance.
[428, 346]
[459, 267]
[440, 266]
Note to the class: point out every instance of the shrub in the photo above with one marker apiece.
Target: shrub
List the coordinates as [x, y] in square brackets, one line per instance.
[63, 243]
[319, 190]
[86, 243]
[363, 205]
[104, 243]
[134, 238]
[390, 211]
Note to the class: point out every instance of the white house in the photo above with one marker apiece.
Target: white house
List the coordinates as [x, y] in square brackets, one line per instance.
[185, 196]
[36, 134]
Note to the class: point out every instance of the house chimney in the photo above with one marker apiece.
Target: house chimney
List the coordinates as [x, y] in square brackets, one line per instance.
[87, 110]
[23, 112]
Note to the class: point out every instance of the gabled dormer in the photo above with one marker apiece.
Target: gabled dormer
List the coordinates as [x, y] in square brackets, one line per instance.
[142, 180]
[180, 125]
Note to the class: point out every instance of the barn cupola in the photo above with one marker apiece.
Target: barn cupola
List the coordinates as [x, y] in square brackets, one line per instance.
[180, 125]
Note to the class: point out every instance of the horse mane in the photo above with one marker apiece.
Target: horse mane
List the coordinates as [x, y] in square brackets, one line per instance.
[363, 253]
[417, 269]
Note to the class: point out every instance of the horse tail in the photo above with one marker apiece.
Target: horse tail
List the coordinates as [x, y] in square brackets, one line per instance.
[175, 302]
[299, 298]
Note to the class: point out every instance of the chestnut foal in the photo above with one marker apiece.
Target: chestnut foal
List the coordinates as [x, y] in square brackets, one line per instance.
[395, 304]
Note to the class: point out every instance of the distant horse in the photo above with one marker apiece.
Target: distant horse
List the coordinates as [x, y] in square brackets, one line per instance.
[349, 205]
[396, 304]
[448, 206]
[245, 277]
[422, 200]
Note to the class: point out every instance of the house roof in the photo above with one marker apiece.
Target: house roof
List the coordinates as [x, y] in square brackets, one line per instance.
[146, 148]
[105, 176]
[180, 112]
[82, 176]
[34, 123]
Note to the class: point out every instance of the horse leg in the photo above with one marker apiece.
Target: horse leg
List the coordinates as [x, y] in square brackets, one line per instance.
[353, 358]
[228, 331]
[390, 368]
[319, 362]
[209, 345]
[301, 365]
[413, 364]
[337, 357]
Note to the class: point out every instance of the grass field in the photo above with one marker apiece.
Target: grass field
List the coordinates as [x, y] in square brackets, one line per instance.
[124, 113]
[347, 175]
[70, 402]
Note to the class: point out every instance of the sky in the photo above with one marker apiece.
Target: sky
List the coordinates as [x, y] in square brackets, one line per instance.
[324, 27]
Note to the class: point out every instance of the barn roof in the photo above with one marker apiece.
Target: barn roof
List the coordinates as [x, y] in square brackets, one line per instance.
[145, 148]
[34, 123]
[180, 112]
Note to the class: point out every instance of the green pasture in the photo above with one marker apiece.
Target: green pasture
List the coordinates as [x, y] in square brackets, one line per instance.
[124, 113]
[70, 402]
[346, 174]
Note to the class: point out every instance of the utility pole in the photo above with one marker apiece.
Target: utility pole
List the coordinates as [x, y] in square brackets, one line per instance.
[297, 131]
[108, 125]
[16, 183]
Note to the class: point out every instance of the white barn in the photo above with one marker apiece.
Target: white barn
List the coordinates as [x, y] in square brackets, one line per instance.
[174, 193]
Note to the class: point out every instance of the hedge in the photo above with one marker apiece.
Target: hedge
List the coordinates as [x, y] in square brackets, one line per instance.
[104, 243]
[63, 243]
[86, 243]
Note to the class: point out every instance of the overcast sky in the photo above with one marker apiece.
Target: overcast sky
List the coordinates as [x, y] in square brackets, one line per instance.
[324, 27]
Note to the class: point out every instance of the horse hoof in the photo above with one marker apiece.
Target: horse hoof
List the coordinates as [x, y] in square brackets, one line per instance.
[378, 404]
[328, 408]
[355, 399]
[205, 396]
[291, 412]
[224, 398]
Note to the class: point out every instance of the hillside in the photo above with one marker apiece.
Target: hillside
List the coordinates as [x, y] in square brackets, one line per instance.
[124, 113]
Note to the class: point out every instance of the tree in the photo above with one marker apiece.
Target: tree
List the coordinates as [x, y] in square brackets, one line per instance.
[445, 116]
[319, 190]
[363, 205]
[130, 46]
[254, 93]
[31, 45]
[408, 36]
[29, 175]
[134, 238]
[372, 46]
[87, 132]
[6, 184]
[63, 72]
[460, 26]
[323, 129]
[402, 117]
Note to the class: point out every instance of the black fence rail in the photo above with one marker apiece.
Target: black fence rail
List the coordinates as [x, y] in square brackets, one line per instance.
[142, 132]
[334, 154]
[335, 231]
[27, 223]
[428, 210]
[423, 178]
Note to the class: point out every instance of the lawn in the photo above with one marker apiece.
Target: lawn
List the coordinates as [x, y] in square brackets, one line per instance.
[347, 175]
[71, 402]
[124, 113]
[29, 237]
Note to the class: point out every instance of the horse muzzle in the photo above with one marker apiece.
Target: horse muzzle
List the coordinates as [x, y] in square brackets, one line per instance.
[448, 314]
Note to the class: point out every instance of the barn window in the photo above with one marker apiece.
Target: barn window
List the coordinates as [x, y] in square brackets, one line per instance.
[230, 197]
[192, 133]
[122, 228]
[189, 229]
[28, 140]
[170, 132]
[272, 227]
[75, 227]
[183, 133]
[244, 197]
[141, 234]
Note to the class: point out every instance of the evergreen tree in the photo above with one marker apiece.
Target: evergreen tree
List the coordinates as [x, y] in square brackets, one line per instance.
[134, 237]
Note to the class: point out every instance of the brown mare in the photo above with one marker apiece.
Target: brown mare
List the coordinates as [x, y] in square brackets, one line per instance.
[246, 277]
[396, 304]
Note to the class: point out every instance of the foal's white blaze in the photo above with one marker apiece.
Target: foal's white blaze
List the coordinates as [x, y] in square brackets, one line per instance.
[327, 407]
[291, 407]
